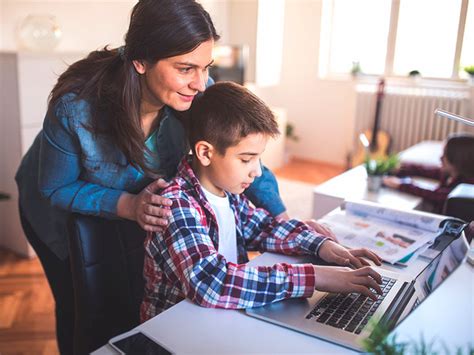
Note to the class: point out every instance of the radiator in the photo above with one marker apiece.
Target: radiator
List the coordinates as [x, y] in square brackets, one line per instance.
[408, 113]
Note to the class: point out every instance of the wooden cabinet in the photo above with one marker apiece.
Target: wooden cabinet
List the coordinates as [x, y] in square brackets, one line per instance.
[26, 80]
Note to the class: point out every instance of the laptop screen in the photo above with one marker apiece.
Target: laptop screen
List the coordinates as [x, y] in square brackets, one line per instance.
[441, 267]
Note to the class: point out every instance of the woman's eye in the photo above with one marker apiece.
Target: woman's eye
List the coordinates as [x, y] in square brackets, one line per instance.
[185, 70]
[245, 161]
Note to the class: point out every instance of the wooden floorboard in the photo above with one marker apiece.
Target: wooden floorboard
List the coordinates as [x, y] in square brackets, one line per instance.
[27, 324]
[312, 172]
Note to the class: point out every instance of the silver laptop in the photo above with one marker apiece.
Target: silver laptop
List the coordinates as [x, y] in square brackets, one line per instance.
[345, 318]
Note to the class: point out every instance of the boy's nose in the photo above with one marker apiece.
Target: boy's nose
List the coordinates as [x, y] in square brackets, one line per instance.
[257, 170]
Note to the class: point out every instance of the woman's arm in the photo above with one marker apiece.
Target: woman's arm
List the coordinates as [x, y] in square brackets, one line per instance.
[436, 196]
[431, 172]
[61, 166]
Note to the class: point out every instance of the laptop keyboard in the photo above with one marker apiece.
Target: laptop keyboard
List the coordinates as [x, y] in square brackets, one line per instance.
[349, 312]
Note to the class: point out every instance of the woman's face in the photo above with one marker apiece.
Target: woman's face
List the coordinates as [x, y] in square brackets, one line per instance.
[446, 165]
[174, 81]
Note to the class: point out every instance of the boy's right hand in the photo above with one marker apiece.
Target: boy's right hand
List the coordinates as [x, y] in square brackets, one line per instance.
[345, 280]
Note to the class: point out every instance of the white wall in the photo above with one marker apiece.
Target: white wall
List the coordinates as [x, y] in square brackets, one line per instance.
[242, 25]
[322, 111]
[86, 24]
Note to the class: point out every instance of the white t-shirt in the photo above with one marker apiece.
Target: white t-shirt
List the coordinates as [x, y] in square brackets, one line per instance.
[226, 223]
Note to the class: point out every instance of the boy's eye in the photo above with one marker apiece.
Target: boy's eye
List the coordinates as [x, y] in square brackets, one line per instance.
[245, 161]
[185, 70]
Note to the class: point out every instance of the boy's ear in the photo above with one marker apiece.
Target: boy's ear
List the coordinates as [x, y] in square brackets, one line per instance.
[140, 66]
[204, 152]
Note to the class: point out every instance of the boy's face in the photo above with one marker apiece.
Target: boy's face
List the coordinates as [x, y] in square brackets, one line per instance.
[237, 168]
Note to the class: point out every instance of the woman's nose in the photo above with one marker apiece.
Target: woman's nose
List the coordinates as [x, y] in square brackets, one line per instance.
[199, 81]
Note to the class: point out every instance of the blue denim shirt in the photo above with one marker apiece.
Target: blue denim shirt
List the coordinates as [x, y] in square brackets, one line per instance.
[70, 169]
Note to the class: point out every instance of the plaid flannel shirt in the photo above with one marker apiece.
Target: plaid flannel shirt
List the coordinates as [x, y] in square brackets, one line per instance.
[183, 262]
[436, 197]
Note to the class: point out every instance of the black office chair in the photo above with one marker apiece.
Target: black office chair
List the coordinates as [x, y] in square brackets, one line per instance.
[107, 267]
[460, 202]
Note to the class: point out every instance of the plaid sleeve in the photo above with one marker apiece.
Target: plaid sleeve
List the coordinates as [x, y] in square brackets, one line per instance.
[264, 232]
[191, 260]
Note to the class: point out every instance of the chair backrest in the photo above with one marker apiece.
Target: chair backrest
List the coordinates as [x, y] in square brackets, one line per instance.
[460, 202]
[107, 267]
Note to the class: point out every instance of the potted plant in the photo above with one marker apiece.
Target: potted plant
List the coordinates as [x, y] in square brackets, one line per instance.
[470, 70]
[356, 69]
[377, 168]
[290, 132]
[290, 136]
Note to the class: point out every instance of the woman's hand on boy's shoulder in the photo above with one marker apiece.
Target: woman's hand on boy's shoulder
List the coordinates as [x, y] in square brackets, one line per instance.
[334, 253]
[147, 208]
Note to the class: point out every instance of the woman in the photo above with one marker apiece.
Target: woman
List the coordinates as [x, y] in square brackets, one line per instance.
[457, 167]
[111, 128]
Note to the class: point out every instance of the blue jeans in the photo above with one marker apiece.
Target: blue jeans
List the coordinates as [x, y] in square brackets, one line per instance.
[58, 273]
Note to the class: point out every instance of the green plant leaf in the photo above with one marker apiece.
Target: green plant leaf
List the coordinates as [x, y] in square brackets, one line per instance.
[381, 166]
[469, 69]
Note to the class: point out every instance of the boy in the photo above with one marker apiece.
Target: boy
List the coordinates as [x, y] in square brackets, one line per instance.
[202, 254]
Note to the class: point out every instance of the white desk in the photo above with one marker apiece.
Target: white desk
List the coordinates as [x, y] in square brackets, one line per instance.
[186, 328]
[352, 184]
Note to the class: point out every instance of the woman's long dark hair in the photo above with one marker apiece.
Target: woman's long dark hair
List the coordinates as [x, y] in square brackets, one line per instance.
[459, 151]
[108, 80]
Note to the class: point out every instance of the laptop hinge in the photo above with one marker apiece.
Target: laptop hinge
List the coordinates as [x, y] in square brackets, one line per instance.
[395, 310]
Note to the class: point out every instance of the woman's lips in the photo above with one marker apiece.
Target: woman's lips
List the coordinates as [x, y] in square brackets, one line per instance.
[187, 98]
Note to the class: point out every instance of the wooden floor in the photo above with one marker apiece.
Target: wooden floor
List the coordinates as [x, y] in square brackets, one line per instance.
[26, 304]
[26, 307]
[309, 171]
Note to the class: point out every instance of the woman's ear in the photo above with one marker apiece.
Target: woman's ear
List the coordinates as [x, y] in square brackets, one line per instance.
[140, 66]
[204, 152]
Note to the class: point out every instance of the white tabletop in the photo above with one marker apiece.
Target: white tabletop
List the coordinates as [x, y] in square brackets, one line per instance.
[352, 185]
[186, 328]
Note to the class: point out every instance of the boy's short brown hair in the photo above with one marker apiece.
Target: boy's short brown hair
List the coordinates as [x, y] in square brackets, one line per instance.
[227, 112]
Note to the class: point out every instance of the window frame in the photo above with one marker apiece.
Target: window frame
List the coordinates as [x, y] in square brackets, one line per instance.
[326, 51]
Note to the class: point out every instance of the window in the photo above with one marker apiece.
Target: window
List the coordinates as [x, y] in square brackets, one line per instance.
[366, 40]
[394, 37]
[467, 55]
[271, 17]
